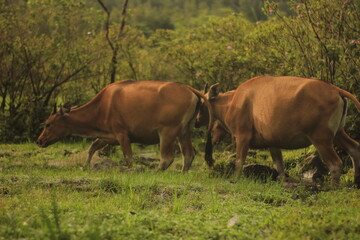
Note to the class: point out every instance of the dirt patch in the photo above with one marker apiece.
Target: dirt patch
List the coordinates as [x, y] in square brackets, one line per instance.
[5, 154]
[103, 164]
[80, 185]
[255, 171]
[74, 160]
[4, 190]
[100, 163]
[302, 190]
[79, 160]
[313, 169]
[149, 162]
[260, 172]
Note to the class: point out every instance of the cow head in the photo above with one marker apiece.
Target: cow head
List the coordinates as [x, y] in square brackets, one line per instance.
[55, 126]
[203, 115]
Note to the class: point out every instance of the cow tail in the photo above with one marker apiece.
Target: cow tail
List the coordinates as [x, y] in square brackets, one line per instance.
[348, 95]
[208, 150]
[208, 147]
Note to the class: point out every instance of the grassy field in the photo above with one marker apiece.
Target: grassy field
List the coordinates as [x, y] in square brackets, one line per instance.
[47, 194]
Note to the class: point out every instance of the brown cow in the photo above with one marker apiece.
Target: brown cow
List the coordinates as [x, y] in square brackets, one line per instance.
[147, 112]
[287, 113]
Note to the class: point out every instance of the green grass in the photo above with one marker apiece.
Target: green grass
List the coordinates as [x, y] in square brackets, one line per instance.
[40, 199]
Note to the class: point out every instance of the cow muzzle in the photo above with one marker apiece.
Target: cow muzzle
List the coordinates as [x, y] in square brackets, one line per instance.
[41, 143]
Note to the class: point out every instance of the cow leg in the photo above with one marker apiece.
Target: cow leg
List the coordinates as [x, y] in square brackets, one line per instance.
[187, 151]
[242, 147]
[167, 144]
[323, 142]
[96, 145]
[353, 149]
[277, 158]
[125, 144]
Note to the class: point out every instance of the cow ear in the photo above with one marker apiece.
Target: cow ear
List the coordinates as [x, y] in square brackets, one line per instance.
[206, 87]
[67, 107]
[214, 91]
[54, 110]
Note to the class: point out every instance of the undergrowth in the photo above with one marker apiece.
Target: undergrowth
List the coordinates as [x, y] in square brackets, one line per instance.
[43, 199]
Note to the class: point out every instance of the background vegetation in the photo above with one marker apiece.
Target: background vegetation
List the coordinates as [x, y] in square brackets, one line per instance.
[53, 51]
[56, 51]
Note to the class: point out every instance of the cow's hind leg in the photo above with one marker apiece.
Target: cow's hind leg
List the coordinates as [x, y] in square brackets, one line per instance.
[323, 142]
[353, 149]
[167, 144]
[277, 158]
[187, 151]
[96, 145]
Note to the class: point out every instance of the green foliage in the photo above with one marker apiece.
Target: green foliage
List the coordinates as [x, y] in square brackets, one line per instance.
[323, 32]
[52, 221]
[56, 51]
[210, 53]
[40, 55]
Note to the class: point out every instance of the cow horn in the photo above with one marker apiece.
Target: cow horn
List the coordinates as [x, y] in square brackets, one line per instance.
[54, 110]
[206, 87]
[214, 85]
[214, 91]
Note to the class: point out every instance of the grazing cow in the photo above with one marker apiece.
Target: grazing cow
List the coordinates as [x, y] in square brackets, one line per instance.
[286, 113]
[147, 112]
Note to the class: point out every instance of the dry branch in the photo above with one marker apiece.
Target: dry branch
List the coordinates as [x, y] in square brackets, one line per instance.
[114, 46]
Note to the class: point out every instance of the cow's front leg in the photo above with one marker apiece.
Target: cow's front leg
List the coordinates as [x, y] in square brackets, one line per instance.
[125, 144]
[242, 147]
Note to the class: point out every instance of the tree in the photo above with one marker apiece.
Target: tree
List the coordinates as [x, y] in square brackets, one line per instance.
[114, 44]
[38, 57]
